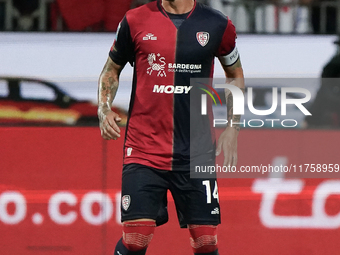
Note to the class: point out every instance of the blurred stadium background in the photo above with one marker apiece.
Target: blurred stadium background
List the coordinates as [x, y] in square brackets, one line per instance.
[60, 182]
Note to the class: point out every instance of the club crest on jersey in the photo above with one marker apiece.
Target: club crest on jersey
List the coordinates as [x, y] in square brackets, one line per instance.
[203, 38]
[126, 200]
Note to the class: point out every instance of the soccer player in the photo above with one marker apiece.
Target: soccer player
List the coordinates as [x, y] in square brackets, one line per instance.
[168, 42]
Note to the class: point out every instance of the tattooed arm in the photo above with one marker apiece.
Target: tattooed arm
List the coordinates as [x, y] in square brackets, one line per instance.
[107, 89]
[228, 139]
[234, 75]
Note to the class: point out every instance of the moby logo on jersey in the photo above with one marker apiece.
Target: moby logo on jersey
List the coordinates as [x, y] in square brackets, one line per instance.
[170, 89]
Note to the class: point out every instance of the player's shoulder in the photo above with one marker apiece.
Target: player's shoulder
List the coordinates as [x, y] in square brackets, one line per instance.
[211, 13]
[140, 12]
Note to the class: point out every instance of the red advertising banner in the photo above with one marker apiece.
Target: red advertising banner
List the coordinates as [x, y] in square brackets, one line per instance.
[60, 194]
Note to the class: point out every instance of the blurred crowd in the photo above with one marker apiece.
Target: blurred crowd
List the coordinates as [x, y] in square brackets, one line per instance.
[252, 16]
[332, 13]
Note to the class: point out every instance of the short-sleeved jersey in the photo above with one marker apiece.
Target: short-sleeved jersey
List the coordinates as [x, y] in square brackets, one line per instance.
[165, 59]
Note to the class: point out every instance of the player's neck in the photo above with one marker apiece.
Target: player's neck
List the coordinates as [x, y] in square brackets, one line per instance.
[178, 6]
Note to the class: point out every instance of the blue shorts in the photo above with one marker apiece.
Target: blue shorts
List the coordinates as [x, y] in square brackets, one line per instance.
[144, 195]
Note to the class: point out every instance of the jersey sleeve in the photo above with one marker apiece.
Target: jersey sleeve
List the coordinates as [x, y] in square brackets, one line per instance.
[227, 51]
[122, 50]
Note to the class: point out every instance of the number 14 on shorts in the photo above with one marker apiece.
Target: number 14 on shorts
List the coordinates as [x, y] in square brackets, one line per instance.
[210, 195]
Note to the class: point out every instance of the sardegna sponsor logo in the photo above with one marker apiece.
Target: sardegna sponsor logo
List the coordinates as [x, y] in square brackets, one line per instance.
[160, 67]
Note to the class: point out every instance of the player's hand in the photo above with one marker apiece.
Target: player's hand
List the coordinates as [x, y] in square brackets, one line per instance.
[228, 143]
[108, 125]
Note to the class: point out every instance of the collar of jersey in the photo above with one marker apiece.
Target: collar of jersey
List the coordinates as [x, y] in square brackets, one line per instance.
[161, 9]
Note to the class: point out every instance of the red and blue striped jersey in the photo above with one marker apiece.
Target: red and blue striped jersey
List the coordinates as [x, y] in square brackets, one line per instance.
[165, 58]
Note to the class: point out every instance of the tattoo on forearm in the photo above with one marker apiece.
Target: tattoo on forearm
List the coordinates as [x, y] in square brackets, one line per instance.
[234, 119]
[234, 76]
[108, 87]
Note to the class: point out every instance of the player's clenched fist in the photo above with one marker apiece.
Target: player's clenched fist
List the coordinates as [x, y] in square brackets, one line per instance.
[108, 125]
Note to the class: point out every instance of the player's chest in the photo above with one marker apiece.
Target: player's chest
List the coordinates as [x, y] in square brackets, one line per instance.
[194, 42]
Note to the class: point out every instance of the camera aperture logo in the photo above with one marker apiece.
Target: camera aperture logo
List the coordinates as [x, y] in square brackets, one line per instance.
[239, 100]
[204, 97]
